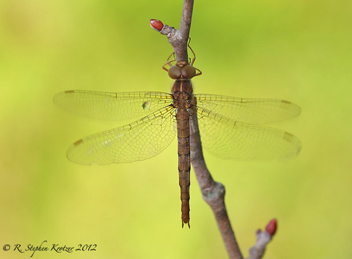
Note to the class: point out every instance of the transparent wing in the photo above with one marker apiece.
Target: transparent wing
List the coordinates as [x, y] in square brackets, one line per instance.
[137, 141]
[112, 106]
[255, 111]
[231, 139]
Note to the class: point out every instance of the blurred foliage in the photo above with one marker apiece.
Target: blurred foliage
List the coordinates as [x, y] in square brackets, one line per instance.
[294, 50]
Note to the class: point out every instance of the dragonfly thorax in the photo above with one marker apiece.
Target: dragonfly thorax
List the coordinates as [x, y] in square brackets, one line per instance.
[182, 70]
[182, 100]
[182, 86]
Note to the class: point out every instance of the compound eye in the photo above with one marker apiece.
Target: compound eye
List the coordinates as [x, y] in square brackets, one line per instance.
[175, 72]
[188, 71]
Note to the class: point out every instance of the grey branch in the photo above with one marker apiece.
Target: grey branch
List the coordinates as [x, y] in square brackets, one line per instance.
[257, 251]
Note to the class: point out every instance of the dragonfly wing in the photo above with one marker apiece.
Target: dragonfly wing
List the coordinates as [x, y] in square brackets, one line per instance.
[143, 139]
[112, 106]
[254, 111]
[231, 139]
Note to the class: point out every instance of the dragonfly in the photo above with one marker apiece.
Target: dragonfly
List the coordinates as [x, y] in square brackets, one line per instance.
[230, 127]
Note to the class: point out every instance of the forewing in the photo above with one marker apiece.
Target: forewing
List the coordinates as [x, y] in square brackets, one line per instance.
[140, 140]
[254, 111]
[112, 106]
[231, 139]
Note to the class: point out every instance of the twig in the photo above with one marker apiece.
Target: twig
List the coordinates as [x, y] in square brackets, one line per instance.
[178, 38]
[263, 238]
[213, 192]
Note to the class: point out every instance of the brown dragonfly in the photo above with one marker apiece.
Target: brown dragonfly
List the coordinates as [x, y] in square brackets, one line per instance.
[229, 126]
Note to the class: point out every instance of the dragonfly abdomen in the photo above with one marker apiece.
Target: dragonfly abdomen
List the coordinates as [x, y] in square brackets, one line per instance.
[184, 166]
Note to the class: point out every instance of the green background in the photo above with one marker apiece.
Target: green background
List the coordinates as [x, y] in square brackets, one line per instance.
[294, 50]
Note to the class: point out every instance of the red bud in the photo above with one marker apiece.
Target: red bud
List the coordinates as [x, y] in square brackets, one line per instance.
[271, 227]
[156, 24]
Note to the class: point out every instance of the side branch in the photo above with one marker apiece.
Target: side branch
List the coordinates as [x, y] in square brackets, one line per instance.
[263, 238]
[179, 38]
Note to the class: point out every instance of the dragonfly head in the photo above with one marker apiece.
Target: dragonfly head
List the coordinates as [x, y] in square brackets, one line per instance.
[182, 70]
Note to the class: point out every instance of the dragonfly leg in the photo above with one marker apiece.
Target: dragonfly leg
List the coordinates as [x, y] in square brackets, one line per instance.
[168, 62]
[198, 72]
[194, 54]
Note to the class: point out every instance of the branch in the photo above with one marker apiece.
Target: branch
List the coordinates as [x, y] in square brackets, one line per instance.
[213, 192]
[178, 38]
[263, 238]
